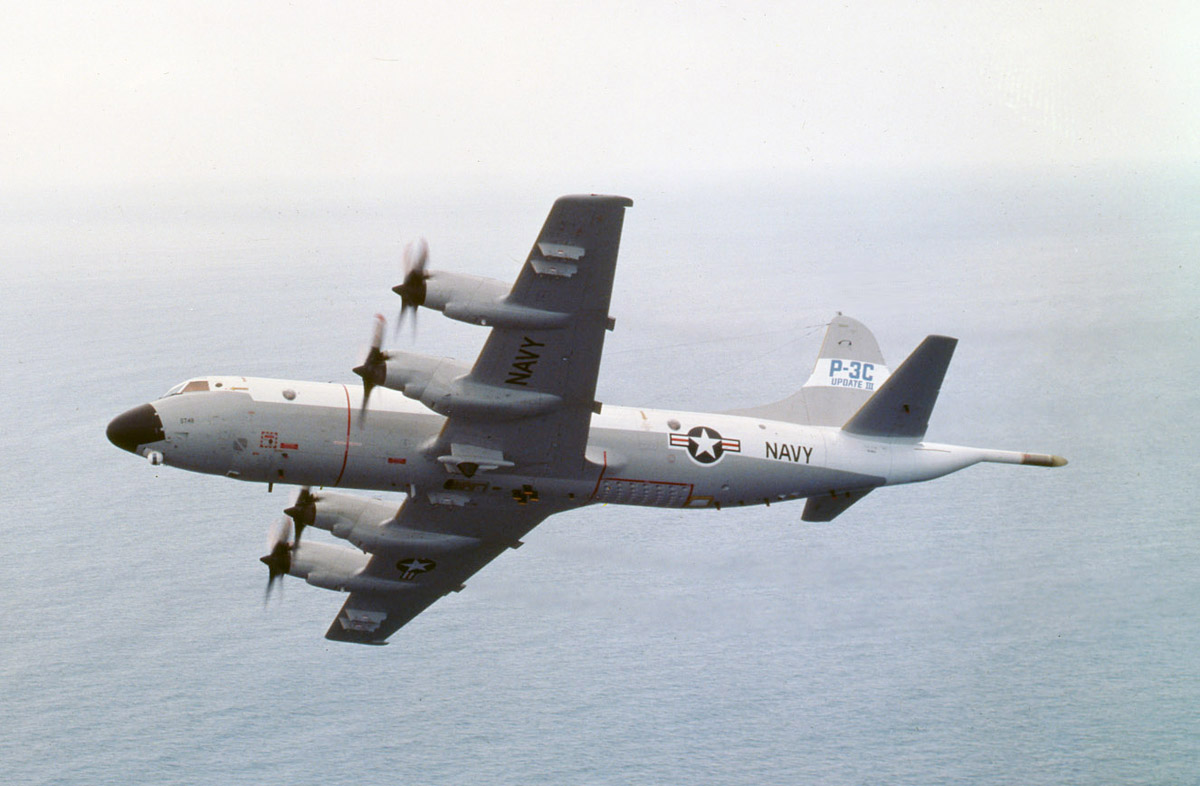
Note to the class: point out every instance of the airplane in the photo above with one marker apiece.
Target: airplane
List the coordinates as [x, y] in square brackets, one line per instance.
[485, 452]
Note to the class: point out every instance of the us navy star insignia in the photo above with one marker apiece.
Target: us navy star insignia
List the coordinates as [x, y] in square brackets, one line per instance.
[705, 445]
[409, 568]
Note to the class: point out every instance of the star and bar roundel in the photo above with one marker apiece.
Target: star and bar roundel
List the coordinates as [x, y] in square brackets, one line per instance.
[705, 445]
[411, 567]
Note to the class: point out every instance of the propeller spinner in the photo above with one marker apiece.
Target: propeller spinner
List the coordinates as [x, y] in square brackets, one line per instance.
[279, 557]
[412, 290]
[373, 368]
[303, 510]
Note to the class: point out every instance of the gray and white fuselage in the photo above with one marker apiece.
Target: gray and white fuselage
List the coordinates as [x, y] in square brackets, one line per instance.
[312, 434]
[486, 451]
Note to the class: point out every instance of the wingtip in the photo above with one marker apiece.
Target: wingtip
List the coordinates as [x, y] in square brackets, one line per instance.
[349, 639]
[620, 200]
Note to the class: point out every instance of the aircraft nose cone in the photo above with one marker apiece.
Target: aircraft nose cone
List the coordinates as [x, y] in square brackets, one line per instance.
[138, 426]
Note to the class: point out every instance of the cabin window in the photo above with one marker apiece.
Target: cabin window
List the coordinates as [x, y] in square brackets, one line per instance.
[196, 386]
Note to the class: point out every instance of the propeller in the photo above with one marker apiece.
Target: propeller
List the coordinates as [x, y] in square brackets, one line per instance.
[279, 556]
[303, 510]
[412, 290]
[373, 368]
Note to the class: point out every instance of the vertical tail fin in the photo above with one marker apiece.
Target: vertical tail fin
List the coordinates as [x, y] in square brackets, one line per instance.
[902, 406]
[849, 369]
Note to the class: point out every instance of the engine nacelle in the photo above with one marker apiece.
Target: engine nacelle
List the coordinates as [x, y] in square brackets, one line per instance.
[483, 301]
[420, 376]
[442, 385]
[401, 541]
[340, 569]
[334, 509]
[339, 582]
[322, 559]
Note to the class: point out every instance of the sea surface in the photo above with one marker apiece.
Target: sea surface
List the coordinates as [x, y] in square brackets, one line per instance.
[1001, 625]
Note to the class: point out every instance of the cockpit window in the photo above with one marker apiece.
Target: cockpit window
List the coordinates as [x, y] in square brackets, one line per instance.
[192, 386]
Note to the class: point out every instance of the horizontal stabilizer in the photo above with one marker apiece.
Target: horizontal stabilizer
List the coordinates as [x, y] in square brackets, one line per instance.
[902, 405]
[827, 507]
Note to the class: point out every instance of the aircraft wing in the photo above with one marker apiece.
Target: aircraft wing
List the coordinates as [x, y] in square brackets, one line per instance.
[446, 540]
[450, 532]
[569, 272]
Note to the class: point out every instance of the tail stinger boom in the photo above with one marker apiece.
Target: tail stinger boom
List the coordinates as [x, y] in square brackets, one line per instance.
[901, 407]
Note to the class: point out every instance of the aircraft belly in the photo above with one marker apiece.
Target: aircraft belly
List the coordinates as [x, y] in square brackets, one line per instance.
[735, 461]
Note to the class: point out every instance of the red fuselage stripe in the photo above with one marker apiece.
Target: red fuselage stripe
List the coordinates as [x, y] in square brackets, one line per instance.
[346, 454]
[602, 471]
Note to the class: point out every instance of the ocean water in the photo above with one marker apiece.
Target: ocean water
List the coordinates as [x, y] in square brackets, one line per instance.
[1000, 625]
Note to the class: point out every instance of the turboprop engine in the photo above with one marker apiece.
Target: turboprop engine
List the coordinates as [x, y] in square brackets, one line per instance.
[426, 378]
[367, 523]
[381, 539]
[320, 564]
[483, 301]
[473, 299]
[328, 509]
[444, 385]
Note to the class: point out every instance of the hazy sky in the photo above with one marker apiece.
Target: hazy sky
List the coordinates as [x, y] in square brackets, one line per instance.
[98, 94]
